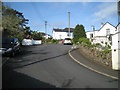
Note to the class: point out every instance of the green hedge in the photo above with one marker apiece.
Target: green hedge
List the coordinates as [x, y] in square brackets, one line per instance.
[84, 41]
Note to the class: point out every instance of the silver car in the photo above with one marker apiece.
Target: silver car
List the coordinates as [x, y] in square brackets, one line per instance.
[67, 41]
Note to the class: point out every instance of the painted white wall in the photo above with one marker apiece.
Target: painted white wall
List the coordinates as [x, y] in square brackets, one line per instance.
[27, 42]
[37, 42]
[115, 39]
[91, 32]
[116, 50]
[61, 35]
[116, 59]
[102, 31]
[31, 42]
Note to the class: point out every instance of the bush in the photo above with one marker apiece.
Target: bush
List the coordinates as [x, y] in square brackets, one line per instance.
[104, 53]
[84, 41]
[106, 43]
[56, 41]
[98, 45]
[49, 40]
[102, 42]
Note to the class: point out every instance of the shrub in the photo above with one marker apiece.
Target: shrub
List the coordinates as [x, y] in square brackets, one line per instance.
[104, 53]
[102, 42]
[98, 45]
[49, 40]
[56, 41]
[92, 40]
[106, 43]
[110, 43]
[84, 41]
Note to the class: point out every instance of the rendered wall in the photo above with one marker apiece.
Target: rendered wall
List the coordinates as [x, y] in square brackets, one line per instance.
[116, 51]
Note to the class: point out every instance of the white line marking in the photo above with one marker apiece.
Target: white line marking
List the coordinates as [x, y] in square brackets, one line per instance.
[90, 67]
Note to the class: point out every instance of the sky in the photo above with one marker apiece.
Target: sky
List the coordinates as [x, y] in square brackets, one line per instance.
[56, 14]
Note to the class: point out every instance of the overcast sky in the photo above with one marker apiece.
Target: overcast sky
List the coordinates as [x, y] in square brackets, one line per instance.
[56, 14]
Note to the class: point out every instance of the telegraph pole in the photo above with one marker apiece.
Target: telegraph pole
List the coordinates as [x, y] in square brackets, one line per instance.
[69, 22]
[45, 30]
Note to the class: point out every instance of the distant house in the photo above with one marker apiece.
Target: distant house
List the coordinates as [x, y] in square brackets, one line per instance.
[62, 33]
[102, 35]
[47, 36]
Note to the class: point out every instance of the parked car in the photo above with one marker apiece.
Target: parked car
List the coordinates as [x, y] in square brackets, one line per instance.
[10, 46]
[67, 41]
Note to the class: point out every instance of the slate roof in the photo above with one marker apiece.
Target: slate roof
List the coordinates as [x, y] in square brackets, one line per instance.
[118, 24]
[63, 30]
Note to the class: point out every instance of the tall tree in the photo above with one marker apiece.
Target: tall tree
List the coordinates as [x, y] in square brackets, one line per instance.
[79, 32]
[13, 22]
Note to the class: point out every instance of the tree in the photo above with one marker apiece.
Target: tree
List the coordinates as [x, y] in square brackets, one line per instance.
[13, 22]
[79, 32]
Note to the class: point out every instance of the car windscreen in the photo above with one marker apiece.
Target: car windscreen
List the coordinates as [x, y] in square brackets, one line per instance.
[67, 39]
[7, 40]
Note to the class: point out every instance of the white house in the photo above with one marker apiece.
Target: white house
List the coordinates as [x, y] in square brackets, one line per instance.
[47, 36]
[103, 34]
[62, 33]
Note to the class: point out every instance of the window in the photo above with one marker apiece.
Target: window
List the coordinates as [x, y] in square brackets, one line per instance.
[91, 35]
[67, 34]
[107, 32]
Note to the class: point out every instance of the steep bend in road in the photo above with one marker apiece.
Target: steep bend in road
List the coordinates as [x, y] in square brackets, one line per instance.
[50, 66]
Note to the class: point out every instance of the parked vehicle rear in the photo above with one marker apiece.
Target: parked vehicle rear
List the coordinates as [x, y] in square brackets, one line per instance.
[67, 41]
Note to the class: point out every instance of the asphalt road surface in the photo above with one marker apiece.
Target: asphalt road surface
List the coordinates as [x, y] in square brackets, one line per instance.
[49, 66]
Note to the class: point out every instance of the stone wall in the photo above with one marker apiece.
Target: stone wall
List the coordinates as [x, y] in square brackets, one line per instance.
[97, 55]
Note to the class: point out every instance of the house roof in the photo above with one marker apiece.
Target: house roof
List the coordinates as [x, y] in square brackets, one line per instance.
[91, 31]
[63, 30]
[118, 24]
[105, 24]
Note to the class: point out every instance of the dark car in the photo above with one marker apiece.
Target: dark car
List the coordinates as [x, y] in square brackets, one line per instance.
[10, 46]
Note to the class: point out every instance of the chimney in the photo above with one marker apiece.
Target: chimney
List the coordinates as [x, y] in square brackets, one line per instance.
[101, 24]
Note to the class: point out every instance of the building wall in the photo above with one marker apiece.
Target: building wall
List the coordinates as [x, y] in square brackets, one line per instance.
[115, 40]
[91, 32]
[115, 59]
[61, 35]
[102, 31]
[116, 50]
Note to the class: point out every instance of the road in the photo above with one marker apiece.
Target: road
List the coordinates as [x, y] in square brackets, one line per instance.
[50, 66]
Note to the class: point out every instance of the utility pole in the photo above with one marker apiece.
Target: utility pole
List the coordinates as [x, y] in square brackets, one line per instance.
[69, 22]
[45, 30]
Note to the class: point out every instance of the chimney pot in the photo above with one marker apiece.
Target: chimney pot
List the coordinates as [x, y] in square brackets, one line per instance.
[101, 24]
